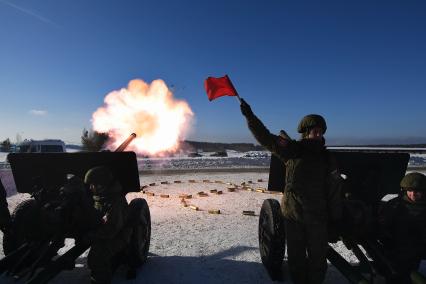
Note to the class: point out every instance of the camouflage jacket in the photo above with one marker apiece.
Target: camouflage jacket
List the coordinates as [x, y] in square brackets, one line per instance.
[113, 209]
[309, 167]
[404, 222]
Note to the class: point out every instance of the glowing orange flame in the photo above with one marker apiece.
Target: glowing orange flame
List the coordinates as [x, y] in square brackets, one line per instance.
[150, 111]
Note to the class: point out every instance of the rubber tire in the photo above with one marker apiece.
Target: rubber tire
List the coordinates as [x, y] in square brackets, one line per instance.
[24, 225]
[272, 238]
[141, 234]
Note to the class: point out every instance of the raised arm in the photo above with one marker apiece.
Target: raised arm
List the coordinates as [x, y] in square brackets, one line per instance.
[282, 146]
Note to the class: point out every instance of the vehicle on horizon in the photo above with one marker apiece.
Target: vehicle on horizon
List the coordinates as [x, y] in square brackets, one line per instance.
[41, 146]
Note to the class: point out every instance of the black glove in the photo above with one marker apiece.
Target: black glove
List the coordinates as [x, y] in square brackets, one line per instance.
[245, 108]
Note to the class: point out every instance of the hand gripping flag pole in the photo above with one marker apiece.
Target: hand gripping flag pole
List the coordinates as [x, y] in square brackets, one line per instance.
[218, 87]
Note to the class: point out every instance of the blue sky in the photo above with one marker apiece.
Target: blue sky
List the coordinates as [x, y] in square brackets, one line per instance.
[360, 64]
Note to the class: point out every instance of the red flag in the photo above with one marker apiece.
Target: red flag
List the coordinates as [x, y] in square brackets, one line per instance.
[218, 87]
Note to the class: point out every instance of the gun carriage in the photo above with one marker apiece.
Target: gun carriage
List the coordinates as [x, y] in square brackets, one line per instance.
[367, 178]
[60, 207]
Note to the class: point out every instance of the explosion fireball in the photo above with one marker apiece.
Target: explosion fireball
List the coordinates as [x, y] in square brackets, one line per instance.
[150, 111]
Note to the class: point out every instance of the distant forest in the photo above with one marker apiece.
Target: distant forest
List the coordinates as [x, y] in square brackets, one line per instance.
[384, 145]
[194, 146]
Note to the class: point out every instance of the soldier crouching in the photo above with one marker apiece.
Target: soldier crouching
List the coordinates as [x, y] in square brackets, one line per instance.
[112, 236]
[403, 222]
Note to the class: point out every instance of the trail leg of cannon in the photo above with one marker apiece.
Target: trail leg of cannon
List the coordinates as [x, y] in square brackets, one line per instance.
[350, 273]
[56, 266]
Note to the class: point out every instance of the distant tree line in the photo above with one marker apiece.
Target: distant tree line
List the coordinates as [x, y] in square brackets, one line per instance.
[93, 141]
[6, 145]
[219, 147]
[382, 145]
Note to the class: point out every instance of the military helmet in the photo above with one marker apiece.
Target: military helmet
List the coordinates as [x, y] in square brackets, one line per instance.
[415, 181]
[99, 175]
[310, 121]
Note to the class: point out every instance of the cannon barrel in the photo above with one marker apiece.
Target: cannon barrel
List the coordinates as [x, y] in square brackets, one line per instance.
[126, 143]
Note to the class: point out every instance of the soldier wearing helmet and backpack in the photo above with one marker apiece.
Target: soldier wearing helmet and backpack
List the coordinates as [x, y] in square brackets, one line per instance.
[307, 202]
[110, 238]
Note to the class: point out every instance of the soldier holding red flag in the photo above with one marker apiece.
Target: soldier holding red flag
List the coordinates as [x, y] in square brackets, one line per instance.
[307, 198]
[304, 203]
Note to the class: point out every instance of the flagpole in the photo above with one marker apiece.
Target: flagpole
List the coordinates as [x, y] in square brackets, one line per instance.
[232, 85]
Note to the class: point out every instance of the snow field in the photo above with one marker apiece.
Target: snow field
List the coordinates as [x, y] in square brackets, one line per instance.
[189, 246]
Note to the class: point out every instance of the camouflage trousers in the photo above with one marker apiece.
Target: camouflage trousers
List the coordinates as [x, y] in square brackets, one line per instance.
[306, 251]
[102, 254]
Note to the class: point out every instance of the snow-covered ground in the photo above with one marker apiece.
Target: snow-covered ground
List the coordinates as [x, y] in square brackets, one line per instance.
[190, 246]
[417, 160]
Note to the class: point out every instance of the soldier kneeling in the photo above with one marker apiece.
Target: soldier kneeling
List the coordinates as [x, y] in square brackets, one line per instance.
[403, 220]
[113, 236]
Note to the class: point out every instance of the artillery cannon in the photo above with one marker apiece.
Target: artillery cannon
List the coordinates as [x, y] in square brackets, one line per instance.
[60, 208]
[368, 177]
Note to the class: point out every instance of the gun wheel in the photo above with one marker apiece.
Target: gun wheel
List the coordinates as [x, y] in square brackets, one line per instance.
[25, 225]
[141, 236]
[272, 238]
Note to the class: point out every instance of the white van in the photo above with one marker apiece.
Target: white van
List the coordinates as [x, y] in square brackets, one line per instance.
[41, 146]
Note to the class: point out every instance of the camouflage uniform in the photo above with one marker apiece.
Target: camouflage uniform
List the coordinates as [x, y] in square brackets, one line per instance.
[4, 211]
[112, 236]
[403, 223]
[305, 201]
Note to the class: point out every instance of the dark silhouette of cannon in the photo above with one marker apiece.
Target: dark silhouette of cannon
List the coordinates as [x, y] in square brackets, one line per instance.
[41, 224]
[368, 177]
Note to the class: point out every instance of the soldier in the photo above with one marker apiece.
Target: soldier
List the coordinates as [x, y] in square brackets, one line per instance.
[403, 221]
[305, 201]
[112, 236]
[4, 211]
